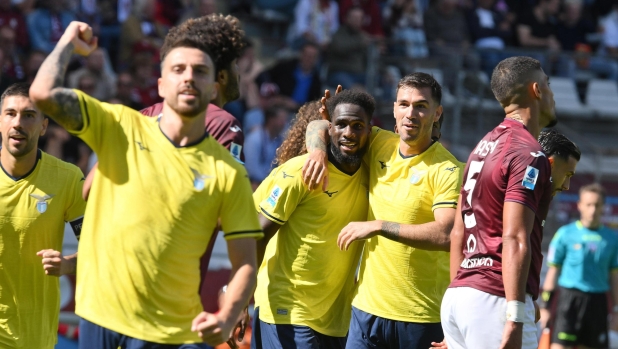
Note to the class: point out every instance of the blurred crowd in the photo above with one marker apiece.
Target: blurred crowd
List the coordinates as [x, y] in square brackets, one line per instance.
[327, 44]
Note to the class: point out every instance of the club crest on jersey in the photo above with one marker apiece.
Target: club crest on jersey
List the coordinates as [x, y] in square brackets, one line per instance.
[274, 196]
[41, 202]
[235, 150]
[198, 179]
[530, 177]
[417, 176]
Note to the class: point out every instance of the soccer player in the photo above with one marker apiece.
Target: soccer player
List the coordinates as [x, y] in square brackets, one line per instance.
[38, 194]
[305, 283]
[413, 189]
[563, 156]
[163, 184]
[583, 259]
[496, 240]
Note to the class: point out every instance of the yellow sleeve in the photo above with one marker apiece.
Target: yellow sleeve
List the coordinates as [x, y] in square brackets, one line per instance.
[264, 189]
[282, 195]
[238, 216]
[101, 122]
[446, 185]
[377, 138]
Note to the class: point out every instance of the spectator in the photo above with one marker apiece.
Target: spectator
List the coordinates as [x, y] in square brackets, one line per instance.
[372, 16]
[5, 81]
[10, 16]
[12, 66]
[140, 27]
[537, 31]
[347, 52]
[449, 40]
[33, 63]
[297, 79]
[573, 32]
[248, 69]
[47, 24]
[126, 93]
[284, 7]
[168, 12]
[262, 143]
[610, 32]
[200, 8]
[489, 30]
[405, 20]
[105, 79]
[315, 21]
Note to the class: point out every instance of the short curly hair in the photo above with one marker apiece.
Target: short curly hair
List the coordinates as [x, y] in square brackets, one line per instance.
[353, 96]
[294, 143]
[219, 36]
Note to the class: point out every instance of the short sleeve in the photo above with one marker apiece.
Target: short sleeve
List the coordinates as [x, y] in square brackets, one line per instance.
[238, 216]
[557, 249]
[528, 177]
[447, 185]
[282, 195]
[76, 205]
[101, 121]
[228, 133]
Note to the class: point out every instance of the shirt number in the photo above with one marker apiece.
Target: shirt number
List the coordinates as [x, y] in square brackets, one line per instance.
[473, 172]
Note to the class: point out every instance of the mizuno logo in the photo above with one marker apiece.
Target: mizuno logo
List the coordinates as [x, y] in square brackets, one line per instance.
[141, 146]
[452, 169]
[285, 175]
[235, 128]
[383, 165]
[538, 154]
[330, 194]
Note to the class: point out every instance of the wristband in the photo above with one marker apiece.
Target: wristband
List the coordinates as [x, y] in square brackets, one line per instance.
[547, 297]
[515, 311]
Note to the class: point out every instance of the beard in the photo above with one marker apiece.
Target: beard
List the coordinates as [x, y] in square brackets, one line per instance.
[345, 159]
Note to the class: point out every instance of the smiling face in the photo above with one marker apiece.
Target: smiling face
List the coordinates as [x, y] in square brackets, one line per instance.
[21, 125]
[415, 113]
[187, 82]
[349, 133]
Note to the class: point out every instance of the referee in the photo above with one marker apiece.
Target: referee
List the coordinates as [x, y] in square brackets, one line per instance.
[583, 258]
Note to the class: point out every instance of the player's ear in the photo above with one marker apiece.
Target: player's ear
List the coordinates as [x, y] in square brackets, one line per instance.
[438, 114]
[536, 90]
[160, 88]
[551, 162]
[215, 91]
[330, 128]
[44, 125]
[222, 77]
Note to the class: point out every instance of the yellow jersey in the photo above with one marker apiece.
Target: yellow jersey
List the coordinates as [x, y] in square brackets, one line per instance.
[399, 282]
[153, 209]
[34, 209]
[305, 279]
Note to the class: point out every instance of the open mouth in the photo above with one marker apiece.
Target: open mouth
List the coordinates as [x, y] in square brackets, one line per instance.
[17, 139]
[348, 146]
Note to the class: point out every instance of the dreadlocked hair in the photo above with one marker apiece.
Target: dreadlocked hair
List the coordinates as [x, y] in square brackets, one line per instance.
[294, 143]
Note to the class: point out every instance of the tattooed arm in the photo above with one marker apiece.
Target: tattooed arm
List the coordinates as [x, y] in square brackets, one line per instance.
[60, 103]
[315, 169]
[432, 236]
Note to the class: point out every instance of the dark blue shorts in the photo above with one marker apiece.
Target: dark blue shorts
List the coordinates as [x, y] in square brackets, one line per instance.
[92, 336]
[270, 336]
[370, 331]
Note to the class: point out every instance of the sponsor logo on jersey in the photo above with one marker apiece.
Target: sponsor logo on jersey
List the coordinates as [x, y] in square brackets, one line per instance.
[452, 169]
[274, 196]
[477, 262]
[538, 154]
[282, 311]
[198, 179]
[530, 177]
[330, 194]
[235, 128]
[471, 244]
[383, 165]
[41, 202]
[235, 150]
[141, 146]
[285, 175]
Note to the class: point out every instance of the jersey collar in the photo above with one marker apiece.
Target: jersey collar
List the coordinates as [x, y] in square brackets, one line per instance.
[38, 157]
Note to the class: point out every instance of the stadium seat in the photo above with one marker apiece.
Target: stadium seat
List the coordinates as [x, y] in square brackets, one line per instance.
[567, 99]
[602, 97]
[448, 99]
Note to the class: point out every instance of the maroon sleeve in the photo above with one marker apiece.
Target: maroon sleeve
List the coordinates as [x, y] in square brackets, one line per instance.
[153, 110]
[226, 130]
[528, 172]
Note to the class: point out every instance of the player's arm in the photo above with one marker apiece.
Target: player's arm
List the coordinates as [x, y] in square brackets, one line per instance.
[269, 227]
[432, 236]
[457, 242]
[88, 182]
[62, 104]
[55, 264]
[518, 221]
[613, 275]
[315, 168]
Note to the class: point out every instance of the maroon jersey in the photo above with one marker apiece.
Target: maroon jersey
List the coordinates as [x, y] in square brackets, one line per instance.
[507, 165]
[224, 127]
[226, 130]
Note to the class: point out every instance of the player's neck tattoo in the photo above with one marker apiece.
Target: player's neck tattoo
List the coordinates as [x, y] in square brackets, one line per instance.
[390, 230]
[517, 117]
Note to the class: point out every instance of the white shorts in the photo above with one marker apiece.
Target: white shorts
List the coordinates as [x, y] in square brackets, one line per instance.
[473, 319]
